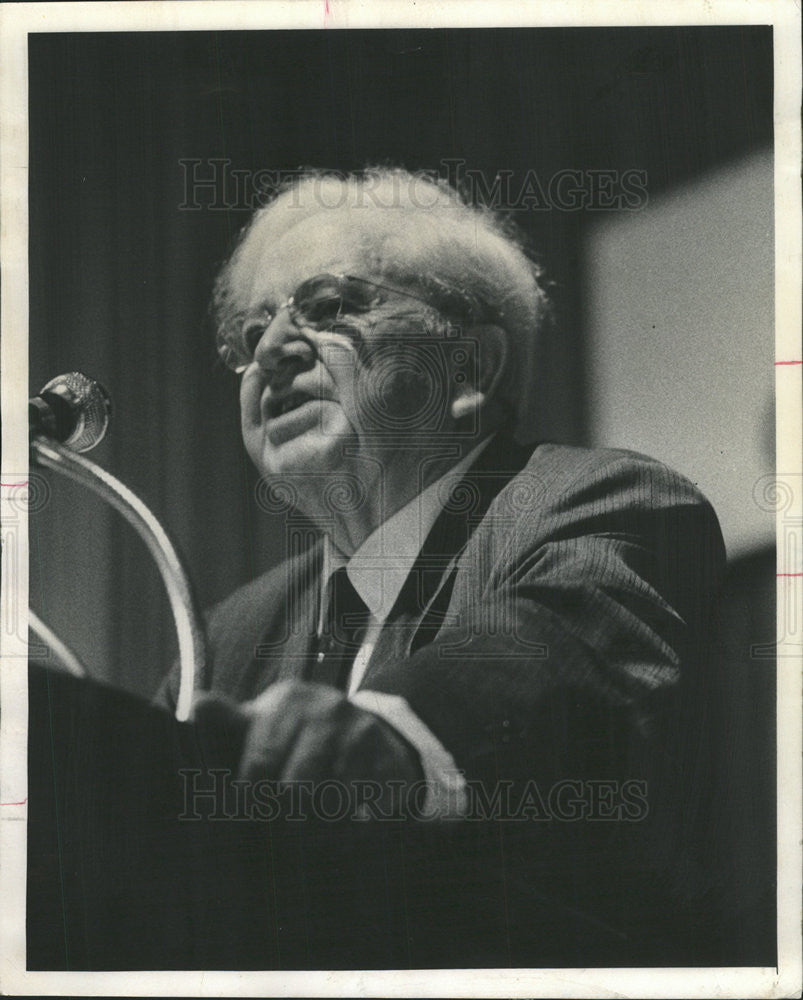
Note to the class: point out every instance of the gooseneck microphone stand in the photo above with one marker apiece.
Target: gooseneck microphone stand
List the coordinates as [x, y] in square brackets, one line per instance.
[189, 627]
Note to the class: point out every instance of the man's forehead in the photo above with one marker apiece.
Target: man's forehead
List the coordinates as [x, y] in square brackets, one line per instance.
[327, 242]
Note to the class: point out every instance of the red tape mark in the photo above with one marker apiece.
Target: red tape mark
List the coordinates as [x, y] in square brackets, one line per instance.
[15, 803]
[789, 362]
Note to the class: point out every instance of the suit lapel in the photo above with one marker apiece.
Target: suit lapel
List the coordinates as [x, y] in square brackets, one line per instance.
[287, 647]
[420, 609]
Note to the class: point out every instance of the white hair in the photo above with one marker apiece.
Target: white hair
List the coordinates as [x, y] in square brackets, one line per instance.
[416, 229]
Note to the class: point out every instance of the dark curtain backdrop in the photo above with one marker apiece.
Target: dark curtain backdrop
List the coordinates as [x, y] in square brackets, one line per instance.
[120, 272]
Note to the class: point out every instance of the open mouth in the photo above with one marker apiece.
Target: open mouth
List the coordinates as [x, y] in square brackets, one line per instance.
[285, 404]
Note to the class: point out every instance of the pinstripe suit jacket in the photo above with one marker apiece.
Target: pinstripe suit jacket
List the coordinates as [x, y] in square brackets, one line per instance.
[557, 607]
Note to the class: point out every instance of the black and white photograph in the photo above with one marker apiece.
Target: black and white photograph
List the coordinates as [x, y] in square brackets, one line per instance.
[402, 560]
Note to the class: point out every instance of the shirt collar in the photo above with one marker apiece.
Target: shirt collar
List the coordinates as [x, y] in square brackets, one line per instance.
[380, 566]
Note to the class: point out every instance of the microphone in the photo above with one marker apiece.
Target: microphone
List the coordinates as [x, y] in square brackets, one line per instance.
[72, 409]
[71, 415]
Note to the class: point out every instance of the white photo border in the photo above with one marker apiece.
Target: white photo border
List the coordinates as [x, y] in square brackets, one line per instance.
[16, 22]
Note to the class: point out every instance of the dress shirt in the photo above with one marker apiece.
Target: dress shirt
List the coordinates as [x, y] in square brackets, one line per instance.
[378, 570]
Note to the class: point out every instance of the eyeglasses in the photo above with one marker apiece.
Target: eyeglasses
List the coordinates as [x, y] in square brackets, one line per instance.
[319, 303]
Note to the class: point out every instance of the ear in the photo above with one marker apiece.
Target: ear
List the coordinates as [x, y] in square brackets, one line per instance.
[492, 357]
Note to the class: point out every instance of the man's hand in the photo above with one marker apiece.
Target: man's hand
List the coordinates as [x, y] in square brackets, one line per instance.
[295, 731]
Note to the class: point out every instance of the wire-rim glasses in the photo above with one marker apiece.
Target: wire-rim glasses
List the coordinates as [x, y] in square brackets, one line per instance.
[318, 303]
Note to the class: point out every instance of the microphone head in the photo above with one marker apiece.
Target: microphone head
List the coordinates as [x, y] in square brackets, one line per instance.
[89, 408]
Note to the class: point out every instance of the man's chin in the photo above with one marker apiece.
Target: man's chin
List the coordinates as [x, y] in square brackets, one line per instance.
[314, 452]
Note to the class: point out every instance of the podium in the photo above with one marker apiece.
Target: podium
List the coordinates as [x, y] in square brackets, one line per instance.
[122, 876]
[138, 860]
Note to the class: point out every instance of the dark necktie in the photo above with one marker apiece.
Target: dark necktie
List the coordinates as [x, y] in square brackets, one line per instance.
[345, 621]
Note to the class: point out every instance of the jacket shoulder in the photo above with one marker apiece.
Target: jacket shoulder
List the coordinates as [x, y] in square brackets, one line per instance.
[560, 474]
[564, 494]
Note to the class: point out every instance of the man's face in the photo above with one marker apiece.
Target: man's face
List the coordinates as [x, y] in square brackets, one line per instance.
[352, 394]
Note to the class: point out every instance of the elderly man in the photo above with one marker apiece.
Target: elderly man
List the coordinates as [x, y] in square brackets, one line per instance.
[476, 612]
[463, 583]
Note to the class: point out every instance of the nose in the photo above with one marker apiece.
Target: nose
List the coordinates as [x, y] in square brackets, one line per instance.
[283, 350]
